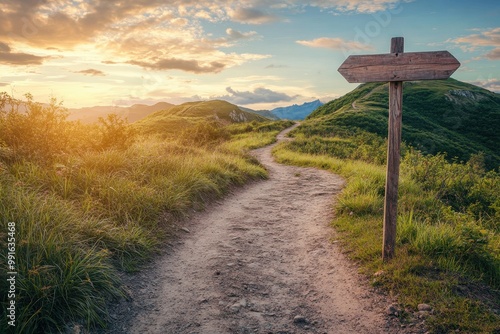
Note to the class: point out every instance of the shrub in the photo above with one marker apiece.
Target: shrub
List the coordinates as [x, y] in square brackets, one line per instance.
[115, 132]
[39, 133]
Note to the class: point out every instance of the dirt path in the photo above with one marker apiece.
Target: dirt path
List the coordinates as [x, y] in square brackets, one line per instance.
[262, 261]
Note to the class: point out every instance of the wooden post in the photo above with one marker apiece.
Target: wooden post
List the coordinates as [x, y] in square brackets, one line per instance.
[393, 157]
[396, 67]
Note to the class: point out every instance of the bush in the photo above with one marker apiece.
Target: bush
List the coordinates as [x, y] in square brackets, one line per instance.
[466, 188]
[38, 133]
[115, 132]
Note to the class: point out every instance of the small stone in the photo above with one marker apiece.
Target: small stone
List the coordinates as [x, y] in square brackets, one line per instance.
[77, 329]
[299, 319]
[422, 314]
[379, 273]
[185, 230]
[424, 307]
[393, 309]
[243, 302]
[236, 306]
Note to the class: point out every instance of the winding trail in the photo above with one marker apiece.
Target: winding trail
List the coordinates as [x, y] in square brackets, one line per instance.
[260, 261]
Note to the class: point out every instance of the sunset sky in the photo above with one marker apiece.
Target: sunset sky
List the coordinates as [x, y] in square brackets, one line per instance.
[258, 54]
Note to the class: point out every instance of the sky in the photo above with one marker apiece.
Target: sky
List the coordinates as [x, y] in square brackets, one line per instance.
[258, 54]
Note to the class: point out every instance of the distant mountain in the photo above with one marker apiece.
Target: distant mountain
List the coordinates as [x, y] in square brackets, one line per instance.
[448, 116]
[186, 114]
[132, 113]
[296, 112]
[265, 113]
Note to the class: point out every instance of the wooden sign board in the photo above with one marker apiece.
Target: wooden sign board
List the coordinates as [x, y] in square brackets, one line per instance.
[399, 67]
[395, 68]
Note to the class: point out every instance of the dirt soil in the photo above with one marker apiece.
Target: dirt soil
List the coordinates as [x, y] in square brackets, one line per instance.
[260, 261]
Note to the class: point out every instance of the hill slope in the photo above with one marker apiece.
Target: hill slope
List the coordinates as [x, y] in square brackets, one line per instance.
[263, 113]
[190, 113]
[133, 113]
[448, 116]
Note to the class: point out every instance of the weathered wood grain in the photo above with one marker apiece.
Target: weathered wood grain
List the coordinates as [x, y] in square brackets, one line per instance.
[399, 66]
[393, 159]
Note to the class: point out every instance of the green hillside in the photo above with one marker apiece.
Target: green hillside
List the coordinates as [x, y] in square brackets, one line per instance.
[447, 116]
[191, 113]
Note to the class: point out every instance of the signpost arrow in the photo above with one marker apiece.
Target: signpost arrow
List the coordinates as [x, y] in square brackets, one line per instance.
[395, 68]
[399, 67]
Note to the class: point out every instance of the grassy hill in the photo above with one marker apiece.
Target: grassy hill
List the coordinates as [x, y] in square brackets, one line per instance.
[132, 113]
[191, 113]
[448, 116]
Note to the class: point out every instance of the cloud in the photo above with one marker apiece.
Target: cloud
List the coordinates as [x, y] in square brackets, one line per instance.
[180, 64]
[276, 66]
[4, 47]
[235, 34]
[358, 6]
[92, 72]
[15, 58]
[259, 95]
[252, 16]
[490, 84]
[335, 44]
[154, 34]
[493, 54]
[485, 39]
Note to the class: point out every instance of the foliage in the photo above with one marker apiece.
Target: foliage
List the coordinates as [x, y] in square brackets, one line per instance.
[115, 132]
[37, 133]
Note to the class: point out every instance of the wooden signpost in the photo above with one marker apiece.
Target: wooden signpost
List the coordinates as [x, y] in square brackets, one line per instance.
[396, 67]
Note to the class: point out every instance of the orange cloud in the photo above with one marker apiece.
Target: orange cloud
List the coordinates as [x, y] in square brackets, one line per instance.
[154, 34]
[484, 39]
[335, 44]
[180, 64]
[15, 58]
[92, 72]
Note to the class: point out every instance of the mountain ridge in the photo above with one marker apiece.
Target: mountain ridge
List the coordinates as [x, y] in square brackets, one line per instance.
[447, 116]
[190, 113]
[295, 111]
